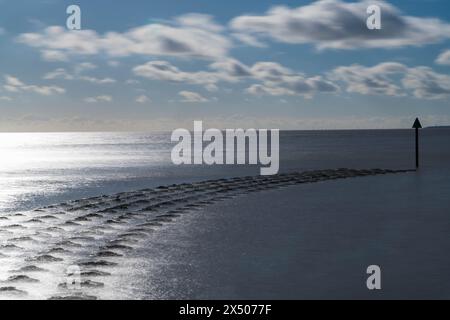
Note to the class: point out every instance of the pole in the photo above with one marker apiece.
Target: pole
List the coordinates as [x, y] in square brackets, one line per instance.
[417, 148]
[417, 125]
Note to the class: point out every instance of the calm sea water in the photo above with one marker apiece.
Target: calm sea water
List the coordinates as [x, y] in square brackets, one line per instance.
[286, 243]
[38, 169]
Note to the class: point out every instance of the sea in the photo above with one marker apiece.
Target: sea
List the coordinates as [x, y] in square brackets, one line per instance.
[39, 169]
[307, 241]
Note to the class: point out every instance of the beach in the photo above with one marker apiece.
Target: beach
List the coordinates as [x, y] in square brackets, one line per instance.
[306, 233]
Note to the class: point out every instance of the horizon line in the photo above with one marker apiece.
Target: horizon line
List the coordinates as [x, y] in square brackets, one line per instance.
[281, 130]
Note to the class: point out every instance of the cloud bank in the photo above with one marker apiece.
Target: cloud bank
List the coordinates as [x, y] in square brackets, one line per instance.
[382, 79]
[191, 35]
[335, 24]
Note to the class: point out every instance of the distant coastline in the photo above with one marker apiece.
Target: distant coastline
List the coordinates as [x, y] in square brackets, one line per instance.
[438, 127]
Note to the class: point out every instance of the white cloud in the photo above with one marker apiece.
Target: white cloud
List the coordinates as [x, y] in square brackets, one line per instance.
[281, 81]
[427, 84]
[62, 73]
[275, 79]
[10, 88]
[143, 99]
[165, 71]
[5, 98]
[59, 73]
[45, 90]
[13, 84]
[212, 87]
[228, 70]
[260, 90]
[12, 81]
[54, 56]
[103, 98]
[371, 80]
[97, 80]
[444, 58]
[393, 79]
[199, 21]
[341, 25]
[58, 39]
[189, 36]
[231, 69]
[249, 39]
[189, 96]
[271, 78]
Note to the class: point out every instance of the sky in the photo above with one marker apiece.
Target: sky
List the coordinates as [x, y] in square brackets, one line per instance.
[142, 65]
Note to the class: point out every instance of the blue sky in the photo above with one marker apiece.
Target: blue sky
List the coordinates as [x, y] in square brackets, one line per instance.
[152, 65]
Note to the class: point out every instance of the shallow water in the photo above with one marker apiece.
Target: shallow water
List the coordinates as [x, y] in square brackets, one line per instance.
[41, 169]
[103, 240]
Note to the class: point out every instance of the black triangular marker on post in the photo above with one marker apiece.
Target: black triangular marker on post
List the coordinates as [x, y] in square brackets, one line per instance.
[417, 125]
